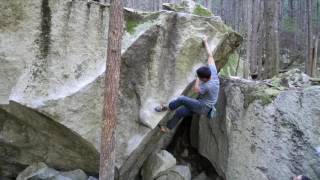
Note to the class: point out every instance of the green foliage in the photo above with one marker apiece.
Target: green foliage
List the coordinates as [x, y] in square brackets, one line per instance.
[200, 11]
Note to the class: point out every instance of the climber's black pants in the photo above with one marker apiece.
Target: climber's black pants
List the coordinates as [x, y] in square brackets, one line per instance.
[187, 106]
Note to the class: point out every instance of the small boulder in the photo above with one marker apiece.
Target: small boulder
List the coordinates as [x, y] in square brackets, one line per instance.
[157, 163]
[74, 175]
[295, 78]
[184, 171]
[37, 170]
[42, 172]
[179, 172]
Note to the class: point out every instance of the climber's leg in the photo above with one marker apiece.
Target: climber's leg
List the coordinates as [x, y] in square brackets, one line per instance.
[192, 104]
[178, 116]
[186, 106]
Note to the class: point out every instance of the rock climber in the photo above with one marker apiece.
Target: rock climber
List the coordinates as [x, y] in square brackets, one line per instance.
[206, 86]
[301, 177]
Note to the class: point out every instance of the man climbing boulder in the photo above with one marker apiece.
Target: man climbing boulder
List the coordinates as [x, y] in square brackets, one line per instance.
[206, 86]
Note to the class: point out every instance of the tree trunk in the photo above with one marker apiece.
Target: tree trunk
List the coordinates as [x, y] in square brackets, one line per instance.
[209, 6]
[315, 58]
[234, 15]
[254, 46]
[260, 48]
[271, 17]
[107, 155]
[222, 9]
[294, 22]
[308, 60]
[249, 38]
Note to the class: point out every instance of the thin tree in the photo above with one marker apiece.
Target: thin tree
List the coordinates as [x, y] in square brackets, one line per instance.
[254, 45]
[308, 60]
[222, 9]
[107, 153]
[314, 57]
[271, 18]
[249, 39]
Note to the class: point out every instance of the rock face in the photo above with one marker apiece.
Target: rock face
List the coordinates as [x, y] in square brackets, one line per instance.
[52, 56]
[27, 137]
[262, 139]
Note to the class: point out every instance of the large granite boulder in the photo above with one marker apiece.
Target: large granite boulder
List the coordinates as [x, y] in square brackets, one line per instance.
[52, 56]
[27, 137]
[262, 132]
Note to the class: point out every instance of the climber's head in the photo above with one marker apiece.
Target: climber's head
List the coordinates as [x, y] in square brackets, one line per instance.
[301, 177]
[204, 73]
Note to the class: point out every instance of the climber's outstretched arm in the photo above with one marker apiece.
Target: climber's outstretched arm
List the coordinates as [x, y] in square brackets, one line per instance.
[210, 57]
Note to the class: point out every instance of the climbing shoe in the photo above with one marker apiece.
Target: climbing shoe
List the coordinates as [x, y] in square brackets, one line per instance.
[161, 108]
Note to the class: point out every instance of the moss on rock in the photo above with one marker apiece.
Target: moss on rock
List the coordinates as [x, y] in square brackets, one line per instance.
[264, 95]
[230, 68]
[131, 24]
[201, 11]
[134, 19]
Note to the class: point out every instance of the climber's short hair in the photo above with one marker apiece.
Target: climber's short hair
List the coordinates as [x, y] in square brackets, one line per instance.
[204, 72]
